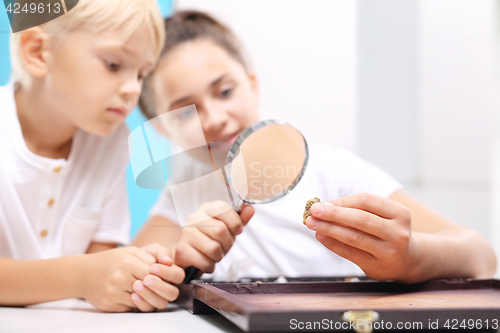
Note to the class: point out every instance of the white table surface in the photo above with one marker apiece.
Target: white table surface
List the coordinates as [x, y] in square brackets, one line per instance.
[75, 315]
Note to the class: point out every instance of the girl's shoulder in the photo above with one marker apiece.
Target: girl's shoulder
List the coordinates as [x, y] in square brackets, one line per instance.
[340, 164]
[349, 172]
[338, 157]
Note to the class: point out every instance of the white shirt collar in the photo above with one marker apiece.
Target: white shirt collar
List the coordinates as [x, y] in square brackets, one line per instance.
[17, 138]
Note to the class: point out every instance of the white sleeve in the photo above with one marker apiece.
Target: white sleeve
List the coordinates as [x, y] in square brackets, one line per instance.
[115, 219]
[347, 174]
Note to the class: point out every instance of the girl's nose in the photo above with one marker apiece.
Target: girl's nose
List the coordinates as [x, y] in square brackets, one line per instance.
[214, 119]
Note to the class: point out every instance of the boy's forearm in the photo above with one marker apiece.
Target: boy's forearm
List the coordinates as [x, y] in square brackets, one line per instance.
[451, 253]
[26, 282]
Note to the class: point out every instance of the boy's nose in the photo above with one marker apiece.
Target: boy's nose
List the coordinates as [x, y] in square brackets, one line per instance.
[131, 89]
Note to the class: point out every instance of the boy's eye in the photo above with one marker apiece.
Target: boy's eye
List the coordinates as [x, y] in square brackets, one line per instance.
[143, 75]
[112, 66]
[226, 93]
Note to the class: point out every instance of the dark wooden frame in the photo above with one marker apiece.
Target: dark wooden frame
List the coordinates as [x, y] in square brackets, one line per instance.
[203, 297]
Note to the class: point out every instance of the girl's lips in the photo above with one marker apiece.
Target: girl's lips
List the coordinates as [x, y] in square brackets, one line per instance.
[223, 144]
[227, 138]
[233, 138]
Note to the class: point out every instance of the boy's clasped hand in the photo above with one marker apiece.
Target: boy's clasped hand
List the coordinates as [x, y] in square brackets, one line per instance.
[130, 278]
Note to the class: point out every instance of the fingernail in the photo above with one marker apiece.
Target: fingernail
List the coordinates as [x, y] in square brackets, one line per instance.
[138, 286]
[320, 236]
[317, 209]
[136, 297]
[166, 258]
[155, 269]
[240, 230]
[148, 281]
[312, 223]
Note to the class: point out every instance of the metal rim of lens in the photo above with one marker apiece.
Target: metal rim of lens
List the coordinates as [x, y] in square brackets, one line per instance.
[235, 150]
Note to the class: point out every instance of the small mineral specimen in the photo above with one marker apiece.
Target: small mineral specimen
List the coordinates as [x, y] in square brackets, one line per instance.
[309, 204]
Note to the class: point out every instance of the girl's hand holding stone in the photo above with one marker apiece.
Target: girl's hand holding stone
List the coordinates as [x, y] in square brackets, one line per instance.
[371, 231]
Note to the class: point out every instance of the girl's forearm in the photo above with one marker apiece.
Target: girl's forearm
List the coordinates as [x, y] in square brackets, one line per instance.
[158, 230]
[26, 282]
[451, 253]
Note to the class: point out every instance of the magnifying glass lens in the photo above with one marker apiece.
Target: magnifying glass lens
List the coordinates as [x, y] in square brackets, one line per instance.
[272, 161]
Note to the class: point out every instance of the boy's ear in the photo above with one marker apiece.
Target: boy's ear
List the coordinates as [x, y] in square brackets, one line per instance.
[34, 51]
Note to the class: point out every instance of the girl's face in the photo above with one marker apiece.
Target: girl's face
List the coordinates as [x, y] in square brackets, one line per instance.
[202, 73]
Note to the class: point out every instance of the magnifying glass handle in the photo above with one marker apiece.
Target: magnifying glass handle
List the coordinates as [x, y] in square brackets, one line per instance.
[239, 206]
[191, 272]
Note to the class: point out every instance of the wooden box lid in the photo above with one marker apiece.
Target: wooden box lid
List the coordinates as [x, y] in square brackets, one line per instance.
[334, 305]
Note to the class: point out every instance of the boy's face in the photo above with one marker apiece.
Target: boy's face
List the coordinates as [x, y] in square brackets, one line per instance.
[202, 73]
[95, 79]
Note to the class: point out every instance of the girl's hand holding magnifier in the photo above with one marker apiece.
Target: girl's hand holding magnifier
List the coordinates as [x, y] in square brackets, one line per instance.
[209, 234]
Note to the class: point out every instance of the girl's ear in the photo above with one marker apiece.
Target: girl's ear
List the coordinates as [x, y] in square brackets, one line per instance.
[254, 83]
[34, 51]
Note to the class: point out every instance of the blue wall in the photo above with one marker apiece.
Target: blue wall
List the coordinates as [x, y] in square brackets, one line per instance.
[140, 199]
[4, 46]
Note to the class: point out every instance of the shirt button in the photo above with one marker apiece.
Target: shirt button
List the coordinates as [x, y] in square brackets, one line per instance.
[44, 233]
[57, 169]
[51, 202]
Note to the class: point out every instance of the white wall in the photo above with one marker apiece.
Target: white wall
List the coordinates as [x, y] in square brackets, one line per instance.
[459, 100]
[304, 55]
[437, 129]
[387, 85]
[459, 93]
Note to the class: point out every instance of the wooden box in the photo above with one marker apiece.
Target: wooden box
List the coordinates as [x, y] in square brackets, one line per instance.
[338, 305]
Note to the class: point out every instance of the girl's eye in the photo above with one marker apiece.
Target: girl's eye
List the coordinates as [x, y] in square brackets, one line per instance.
[186, 114]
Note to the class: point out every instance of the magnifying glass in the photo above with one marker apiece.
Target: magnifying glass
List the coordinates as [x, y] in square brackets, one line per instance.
[266, 161]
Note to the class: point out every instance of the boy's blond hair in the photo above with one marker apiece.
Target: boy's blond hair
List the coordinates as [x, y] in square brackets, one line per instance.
[98, 15]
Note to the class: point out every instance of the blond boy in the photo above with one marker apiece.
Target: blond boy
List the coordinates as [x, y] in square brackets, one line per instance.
[63, 151]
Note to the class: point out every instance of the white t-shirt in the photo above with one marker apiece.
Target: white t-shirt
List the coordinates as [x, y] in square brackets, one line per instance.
[276, 242]
[55, 207]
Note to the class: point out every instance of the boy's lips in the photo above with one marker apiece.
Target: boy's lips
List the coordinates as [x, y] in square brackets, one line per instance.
[122, 112]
